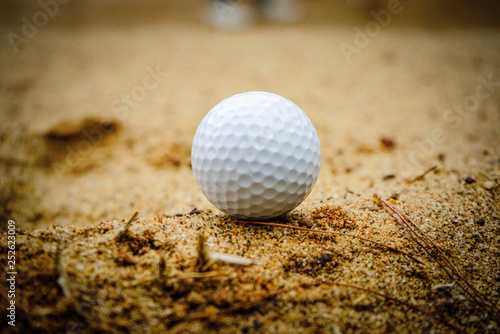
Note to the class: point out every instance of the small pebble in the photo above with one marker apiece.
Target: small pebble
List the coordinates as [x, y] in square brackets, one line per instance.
[480, 221]
[306, 221]
[469, 180]
[489, 185]
[395, 196]
[387, 143]
[326, 256]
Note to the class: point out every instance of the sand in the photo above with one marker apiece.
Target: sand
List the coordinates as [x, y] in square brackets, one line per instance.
[98, 110]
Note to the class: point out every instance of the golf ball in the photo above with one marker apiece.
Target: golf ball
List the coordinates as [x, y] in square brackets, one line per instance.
[256, 156]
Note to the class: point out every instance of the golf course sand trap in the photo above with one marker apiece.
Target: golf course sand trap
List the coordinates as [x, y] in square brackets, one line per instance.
[99, 104]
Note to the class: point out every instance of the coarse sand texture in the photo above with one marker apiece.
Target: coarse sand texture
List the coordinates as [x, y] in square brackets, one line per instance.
[132, 205]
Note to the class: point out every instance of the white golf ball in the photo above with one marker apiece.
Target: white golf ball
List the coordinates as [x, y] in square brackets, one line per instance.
[256, 156]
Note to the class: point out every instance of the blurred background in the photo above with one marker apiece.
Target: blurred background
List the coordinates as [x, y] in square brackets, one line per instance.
[99, 100]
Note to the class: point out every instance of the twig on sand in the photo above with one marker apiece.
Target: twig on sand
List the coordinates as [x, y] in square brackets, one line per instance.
[326, 232]
[203, 260]
[124, 229]
[206, 258]
[62, 279]
[422, 176]
[433, 250]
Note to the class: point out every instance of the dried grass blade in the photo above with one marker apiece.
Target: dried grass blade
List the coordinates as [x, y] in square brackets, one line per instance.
[328, 232]
[435, 252]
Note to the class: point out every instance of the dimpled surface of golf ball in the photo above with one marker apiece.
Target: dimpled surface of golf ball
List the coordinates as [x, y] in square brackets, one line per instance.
[256, 156]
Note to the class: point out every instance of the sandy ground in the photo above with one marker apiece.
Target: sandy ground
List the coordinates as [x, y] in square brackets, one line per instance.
[98, 108]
